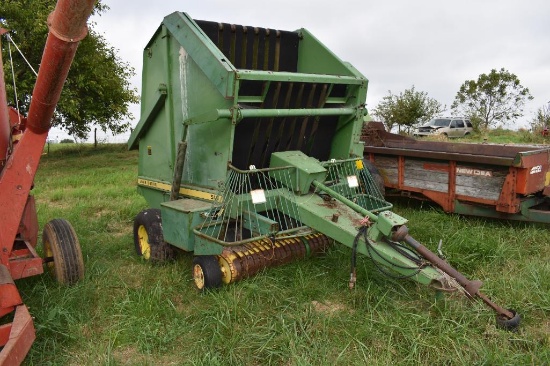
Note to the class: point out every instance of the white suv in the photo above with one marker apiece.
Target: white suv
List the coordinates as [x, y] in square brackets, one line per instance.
[447, 126]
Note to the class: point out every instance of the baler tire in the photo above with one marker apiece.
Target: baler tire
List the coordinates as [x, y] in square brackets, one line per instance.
[148, 237]
[60, 242]
[511, 325]
[375, 173]
[207, 273]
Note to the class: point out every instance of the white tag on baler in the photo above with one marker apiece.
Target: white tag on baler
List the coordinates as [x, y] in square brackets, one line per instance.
[258, 196]
[352, 181]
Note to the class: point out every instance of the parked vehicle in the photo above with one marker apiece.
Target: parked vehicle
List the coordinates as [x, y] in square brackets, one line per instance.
[448, 126]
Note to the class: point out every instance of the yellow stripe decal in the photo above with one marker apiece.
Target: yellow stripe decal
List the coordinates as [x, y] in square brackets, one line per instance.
[183, 191]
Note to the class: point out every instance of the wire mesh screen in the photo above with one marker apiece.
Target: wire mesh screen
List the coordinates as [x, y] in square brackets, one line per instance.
[353, 180]
[252, 203]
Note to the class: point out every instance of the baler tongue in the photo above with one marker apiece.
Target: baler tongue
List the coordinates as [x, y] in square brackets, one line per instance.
[507, 319]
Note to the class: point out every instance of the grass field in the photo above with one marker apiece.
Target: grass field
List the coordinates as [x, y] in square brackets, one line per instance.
[129, 312]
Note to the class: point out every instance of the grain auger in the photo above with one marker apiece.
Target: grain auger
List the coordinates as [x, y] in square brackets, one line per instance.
[22, 140]
[249, 157]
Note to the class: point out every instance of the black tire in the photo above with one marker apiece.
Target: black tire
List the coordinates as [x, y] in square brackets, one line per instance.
[511, 325]
[61, 244]
[207, 273]
[148, 238]
[375, 173]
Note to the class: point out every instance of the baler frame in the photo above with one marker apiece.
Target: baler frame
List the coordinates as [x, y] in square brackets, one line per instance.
[221, 99]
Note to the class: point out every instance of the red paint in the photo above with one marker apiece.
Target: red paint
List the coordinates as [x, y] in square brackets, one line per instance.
[18, 217]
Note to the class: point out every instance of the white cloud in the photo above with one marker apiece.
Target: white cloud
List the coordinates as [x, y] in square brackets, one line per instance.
[434, 45]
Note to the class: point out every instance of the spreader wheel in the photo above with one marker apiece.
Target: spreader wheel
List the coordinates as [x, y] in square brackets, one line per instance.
[509, 324]
[61, 244]
[206, 272]
[148, 238]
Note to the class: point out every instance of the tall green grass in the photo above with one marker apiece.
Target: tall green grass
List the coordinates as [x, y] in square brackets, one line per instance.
[130, 312]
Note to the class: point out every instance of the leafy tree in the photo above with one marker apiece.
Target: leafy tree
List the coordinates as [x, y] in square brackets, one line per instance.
[407, 109]
[541, 119]
[97, 90]
[494, 98]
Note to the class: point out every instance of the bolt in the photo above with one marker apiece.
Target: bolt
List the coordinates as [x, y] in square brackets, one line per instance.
[335, 217]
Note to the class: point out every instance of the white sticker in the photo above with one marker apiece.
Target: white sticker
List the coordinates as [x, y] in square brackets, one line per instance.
[352, 181]
[258, 196]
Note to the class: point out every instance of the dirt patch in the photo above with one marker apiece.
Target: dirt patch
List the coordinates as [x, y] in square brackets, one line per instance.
[328, 307]
[131, 356]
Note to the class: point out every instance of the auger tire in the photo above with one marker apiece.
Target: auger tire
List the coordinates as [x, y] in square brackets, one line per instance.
[61, 244]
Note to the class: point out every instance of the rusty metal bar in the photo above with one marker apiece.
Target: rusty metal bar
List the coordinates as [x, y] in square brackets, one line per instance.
[471, 287]
[21, 337]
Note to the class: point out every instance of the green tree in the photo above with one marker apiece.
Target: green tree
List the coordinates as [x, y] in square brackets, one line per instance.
[495, 98]
[407, 109]
[541, 119]
[97, 90]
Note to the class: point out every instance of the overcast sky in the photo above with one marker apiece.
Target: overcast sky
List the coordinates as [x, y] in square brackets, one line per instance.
[433, 45]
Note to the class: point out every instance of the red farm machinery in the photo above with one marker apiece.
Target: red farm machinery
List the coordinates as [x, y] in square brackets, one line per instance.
[509, 182]
[22, 141]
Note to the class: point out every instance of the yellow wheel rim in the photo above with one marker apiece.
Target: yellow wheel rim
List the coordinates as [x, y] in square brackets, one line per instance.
[144, 246]
[198, 276]
[229, 272]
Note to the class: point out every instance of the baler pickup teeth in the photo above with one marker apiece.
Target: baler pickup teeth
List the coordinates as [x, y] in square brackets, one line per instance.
[238, 262]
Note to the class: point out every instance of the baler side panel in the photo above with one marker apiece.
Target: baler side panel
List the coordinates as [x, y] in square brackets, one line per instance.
[189, 93]
[156, 145]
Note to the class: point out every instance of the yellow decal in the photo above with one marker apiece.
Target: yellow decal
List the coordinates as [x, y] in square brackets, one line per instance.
[183, 191]
[359, 164]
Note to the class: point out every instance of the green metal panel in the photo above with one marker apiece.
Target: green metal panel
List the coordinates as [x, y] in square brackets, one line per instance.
[178, 220]
[315, 58]
[198, 46]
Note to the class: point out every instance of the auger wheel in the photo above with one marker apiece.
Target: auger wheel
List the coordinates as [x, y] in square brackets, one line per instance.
[207, 273]
[61, 244]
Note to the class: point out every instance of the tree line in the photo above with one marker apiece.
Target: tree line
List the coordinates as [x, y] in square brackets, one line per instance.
[494, 98]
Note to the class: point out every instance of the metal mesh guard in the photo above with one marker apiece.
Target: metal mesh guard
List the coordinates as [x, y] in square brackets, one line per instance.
[352, 179]
[252, 203]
